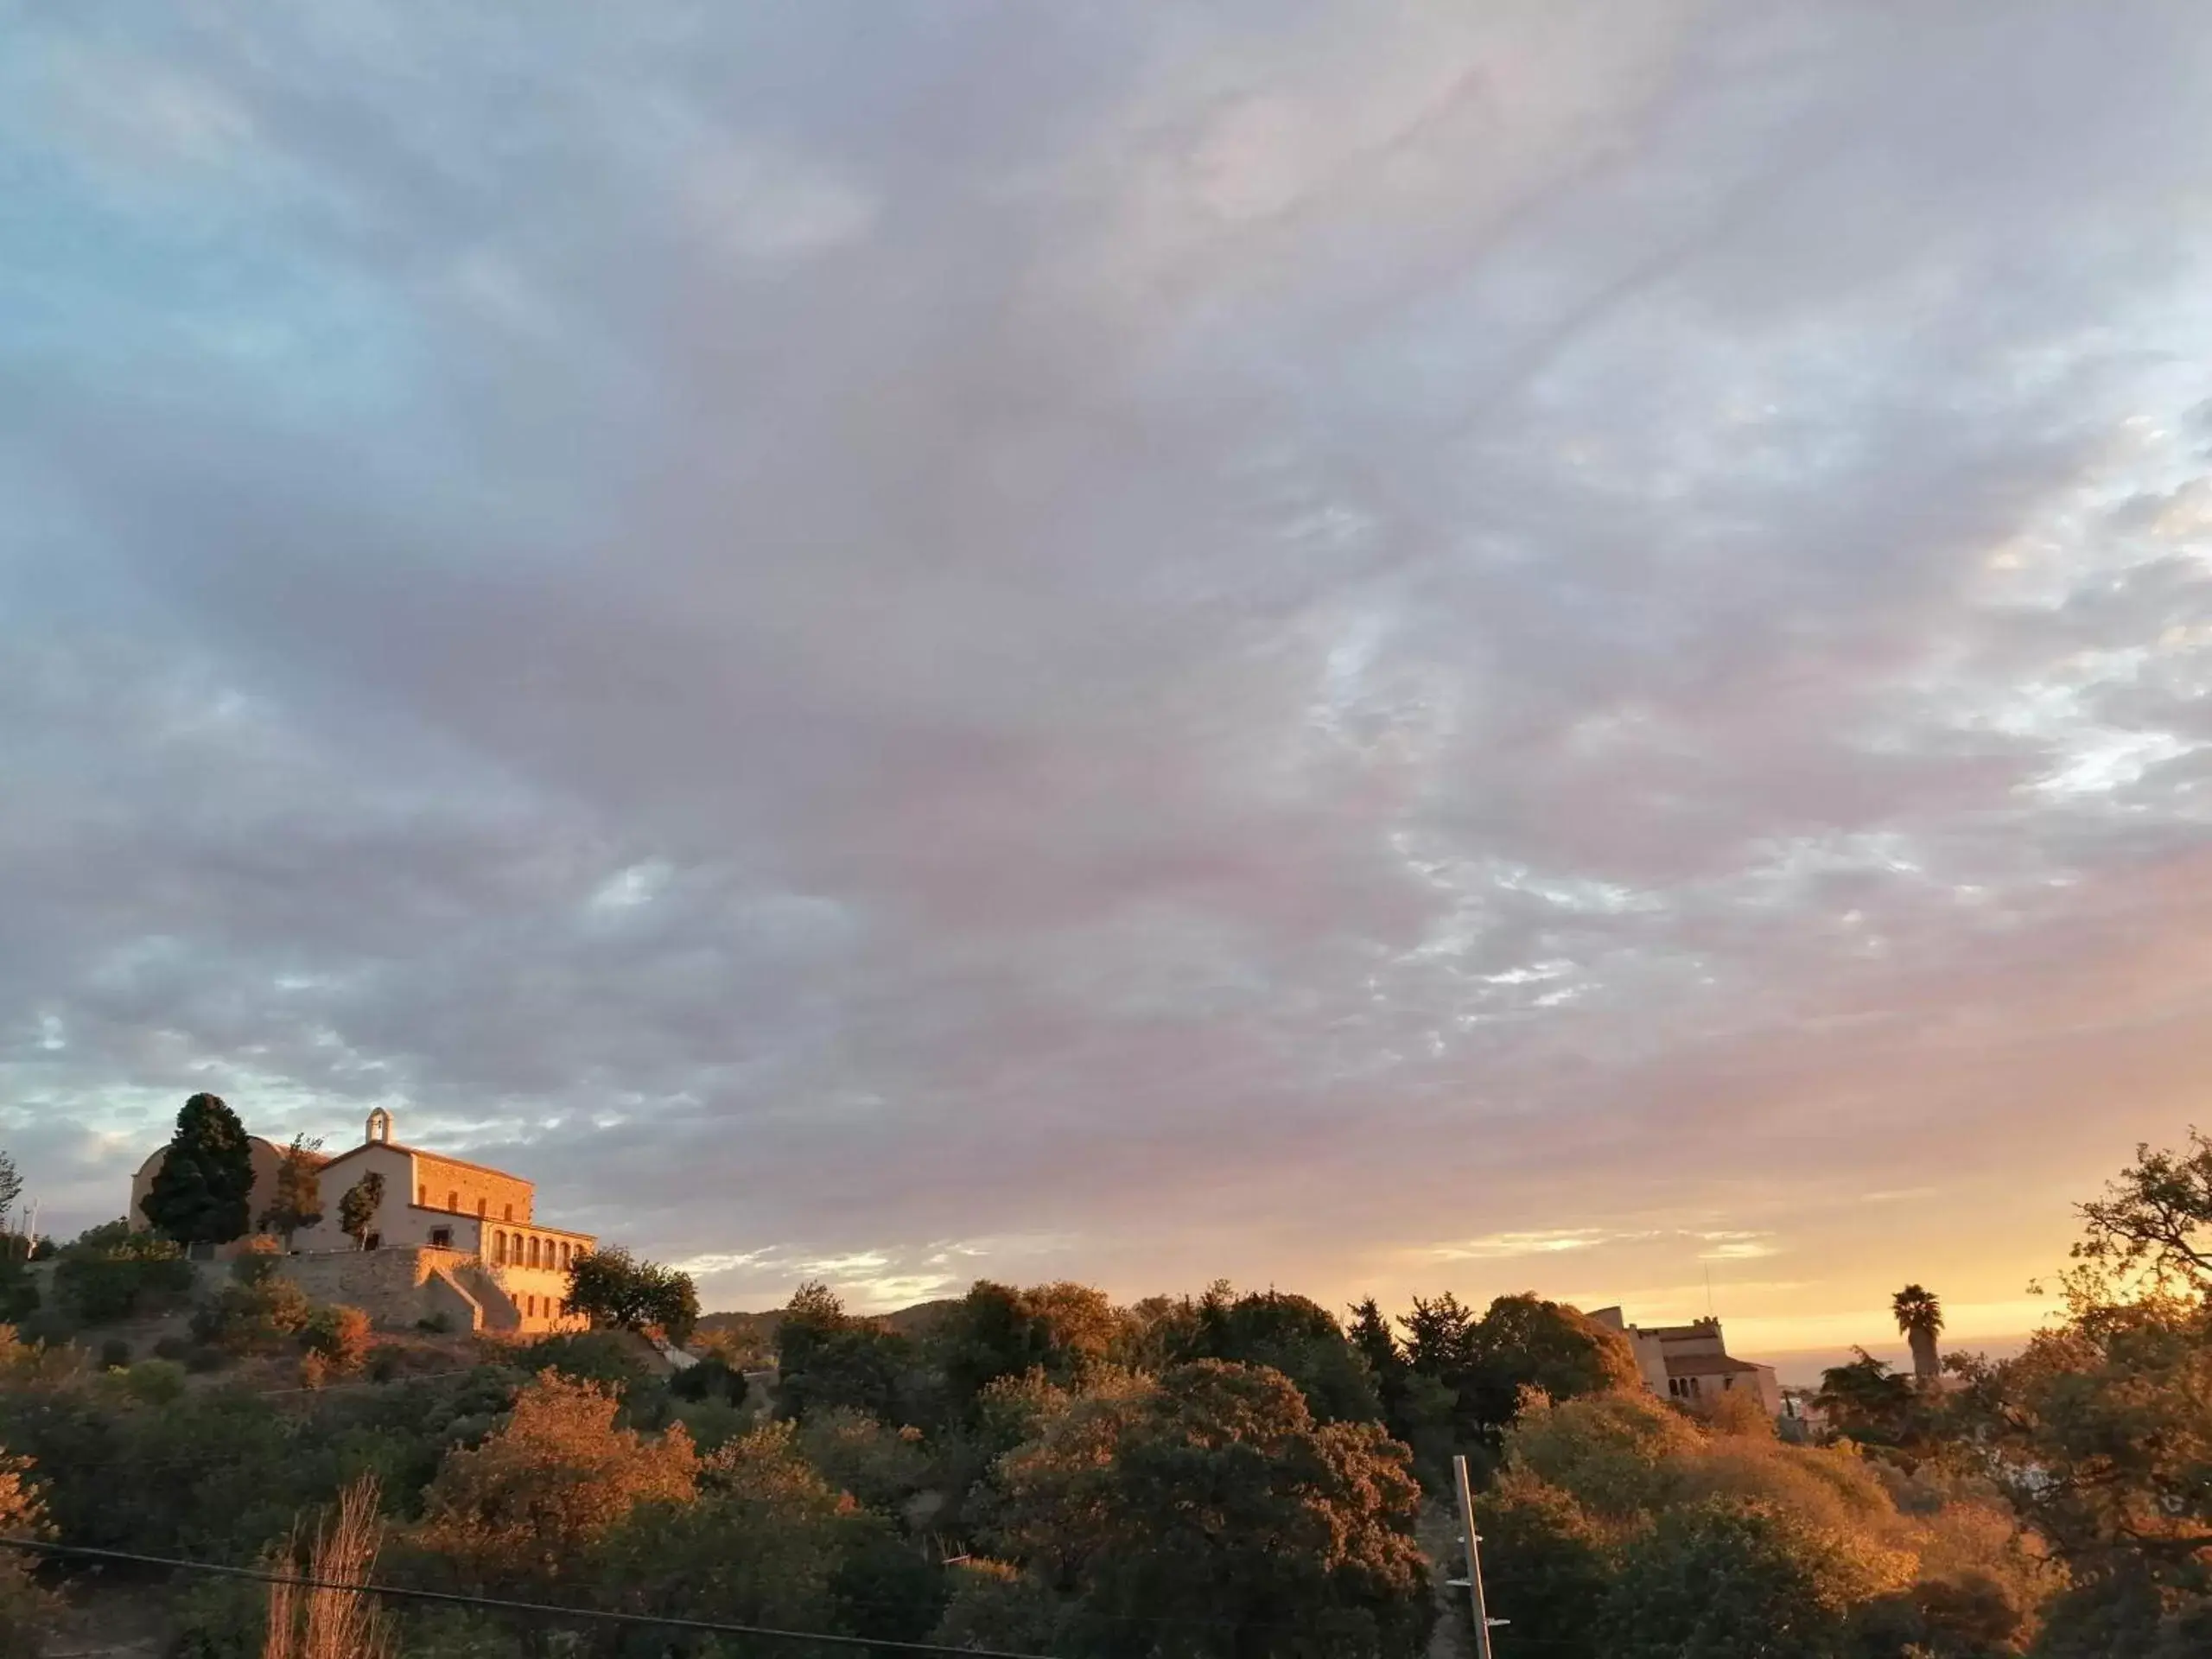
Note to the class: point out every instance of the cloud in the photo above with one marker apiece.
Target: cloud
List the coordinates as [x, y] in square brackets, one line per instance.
[1223, 639]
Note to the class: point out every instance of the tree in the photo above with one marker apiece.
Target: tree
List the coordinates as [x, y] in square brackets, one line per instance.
[1209, 1503]
[763, 1541]
[202, 1192]
[1525, 1342]
[297, 1202]
[516, 1512]
[11, 1185]
[2100, 1430]
[111, 1273]
[826, 1357]
[2156, 1218]
[357, 1208]
[610, 1287]
[1370, 1334]
[1065, 1331]
[1286, 1333]
[1725, 1577]
[1920, 1321]
[1868, 1401]
[25, 1608]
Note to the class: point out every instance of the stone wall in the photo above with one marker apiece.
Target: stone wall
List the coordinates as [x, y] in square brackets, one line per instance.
[466, 1189]
[396, 1288]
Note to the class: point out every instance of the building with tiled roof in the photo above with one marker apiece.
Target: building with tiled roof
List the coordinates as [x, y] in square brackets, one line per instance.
[1690, 1363]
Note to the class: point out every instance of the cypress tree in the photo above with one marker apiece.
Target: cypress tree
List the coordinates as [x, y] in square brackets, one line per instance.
[203, 1193]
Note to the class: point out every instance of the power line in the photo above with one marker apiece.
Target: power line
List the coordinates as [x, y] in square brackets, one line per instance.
[263, 1575]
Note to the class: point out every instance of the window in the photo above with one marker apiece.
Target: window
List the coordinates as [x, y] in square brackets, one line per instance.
[564, 1257]
[499, 1250]
[530, 1307]
[508, 1213]
[423, 1195]
[373, 1242]
[533, 1251]
[482, 1204]
[453, 1199]
[441, 1238]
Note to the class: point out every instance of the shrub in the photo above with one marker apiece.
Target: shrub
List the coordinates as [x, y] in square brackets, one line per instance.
[603, 1356]
[115, 1354]
[155, 1382]
[338, 1335]
[252, 1316]
[258, 1260]
[175, 1348]
[205, 1357]
[112, 1274]
[19, 1297]
[712, 1378]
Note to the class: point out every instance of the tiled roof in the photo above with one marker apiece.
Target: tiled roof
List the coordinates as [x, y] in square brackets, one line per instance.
[1707, 1365]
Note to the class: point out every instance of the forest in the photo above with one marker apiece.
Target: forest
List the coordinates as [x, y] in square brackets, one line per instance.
[1039, 1470]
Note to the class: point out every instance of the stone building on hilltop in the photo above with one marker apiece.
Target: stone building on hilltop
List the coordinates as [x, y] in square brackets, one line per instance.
[450, 1239]
[1691, 1364]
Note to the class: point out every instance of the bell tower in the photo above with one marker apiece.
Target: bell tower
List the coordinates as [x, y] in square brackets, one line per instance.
[379, 1127]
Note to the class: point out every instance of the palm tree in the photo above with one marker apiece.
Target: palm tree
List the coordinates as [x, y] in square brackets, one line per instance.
[1920, 1318]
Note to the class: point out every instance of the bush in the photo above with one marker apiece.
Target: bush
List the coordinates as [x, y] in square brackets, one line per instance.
[337, 1335]
[710, 1379]
[604, 1356]
[19, 1297]
[115, 1354]
[155, 1382]
[252, 1315]
[258, 1260]
[202, 1357]
[112, 1274]
[175, 1348]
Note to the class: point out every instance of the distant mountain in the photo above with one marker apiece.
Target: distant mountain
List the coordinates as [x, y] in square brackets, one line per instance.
[759, 1329]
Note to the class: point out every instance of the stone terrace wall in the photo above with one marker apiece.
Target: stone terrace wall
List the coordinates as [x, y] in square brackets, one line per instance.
[396, 1288]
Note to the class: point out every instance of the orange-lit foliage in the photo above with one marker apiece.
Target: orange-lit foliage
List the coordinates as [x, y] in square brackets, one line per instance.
[1211, 1495]
[23, 1605]
[522, 1508]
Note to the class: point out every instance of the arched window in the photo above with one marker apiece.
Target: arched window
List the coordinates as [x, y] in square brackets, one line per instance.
[533, 1249]
[499, 1250]
[564, 1256]
[530, 1307]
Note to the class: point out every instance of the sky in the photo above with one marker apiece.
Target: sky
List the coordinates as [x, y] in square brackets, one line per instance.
[1364, 647]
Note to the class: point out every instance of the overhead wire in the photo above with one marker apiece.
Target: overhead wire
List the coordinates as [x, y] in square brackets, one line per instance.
[534, 1609]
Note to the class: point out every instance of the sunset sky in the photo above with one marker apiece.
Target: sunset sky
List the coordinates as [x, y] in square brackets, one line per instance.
[1361, 646]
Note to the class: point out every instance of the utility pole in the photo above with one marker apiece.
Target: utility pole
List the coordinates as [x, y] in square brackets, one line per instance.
[1483, 1623]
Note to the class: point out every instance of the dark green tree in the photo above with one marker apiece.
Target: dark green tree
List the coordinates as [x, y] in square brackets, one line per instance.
[610, 1287]
[11, 1183]
[1290, 1334]
[826, 1357]
[1065, 1331]
[1525, 1342]
[1726, 1577]
[1870, 1403]
[1207, 1516]
[357, 1208]
[297, 1202]
[202, 1192]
